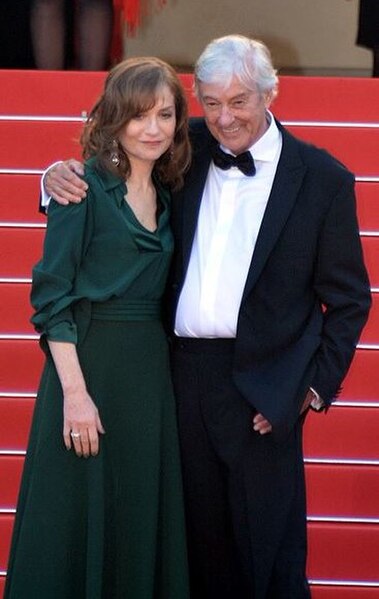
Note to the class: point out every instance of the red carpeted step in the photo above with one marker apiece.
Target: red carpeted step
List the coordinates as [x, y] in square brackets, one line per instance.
[300, 98]
[361, 383]
[371, 255]
[343, 551]
[343, 491]
[20, 249]
[346, 145]
[331, 490]
[370, 333]
[342, 433]
[320, 99]
[35, 145]
[19, 198]
[15, 308]
[49, 92]
[335, 592]
[10, 476]
[60, 93]
[15, 419]
[6, 525]
[21, 364]
[368, 205]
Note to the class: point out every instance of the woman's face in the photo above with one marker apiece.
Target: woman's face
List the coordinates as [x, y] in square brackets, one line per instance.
[149, 134]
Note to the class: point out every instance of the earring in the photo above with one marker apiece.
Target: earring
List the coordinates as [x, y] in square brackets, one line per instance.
[115, 158]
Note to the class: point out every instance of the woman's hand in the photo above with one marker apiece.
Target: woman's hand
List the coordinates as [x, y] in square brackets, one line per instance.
[81, 423]
[81, 420]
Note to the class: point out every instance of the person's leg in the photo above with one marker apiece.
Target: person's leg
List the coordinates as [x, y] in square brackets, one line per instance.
[244, 492]
[211, 548]
[95, 34]
[48, 33]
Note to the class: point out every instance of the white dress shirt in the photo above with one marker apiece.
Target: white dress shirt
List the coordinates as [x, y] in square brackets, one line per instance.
[231, 213]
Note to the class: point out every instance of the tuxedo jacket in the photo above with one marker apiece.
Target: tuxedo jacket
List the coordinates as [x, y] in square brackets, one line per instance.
[306, 296]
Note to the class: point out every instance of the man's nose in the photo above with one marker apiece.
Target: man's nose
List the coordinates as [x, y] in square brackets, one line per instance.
[226, 116]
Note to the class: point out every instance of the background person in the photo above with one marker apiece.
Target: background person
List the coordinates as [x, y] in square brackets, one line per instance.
[111, 525]
[52, 37]
[368, 30]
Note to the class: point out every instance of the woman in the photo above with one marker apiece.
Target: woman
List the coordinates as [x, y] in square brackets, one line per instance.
[110, 526]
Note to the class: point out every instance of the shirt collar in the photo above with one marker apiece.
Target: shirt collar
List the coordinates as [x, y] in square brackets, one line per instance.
[267, 146]
[107, 179]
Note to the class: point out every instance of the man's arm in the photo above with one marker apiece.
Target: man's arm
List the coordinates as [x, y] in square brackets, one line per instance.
[63, 182]
[342, 284]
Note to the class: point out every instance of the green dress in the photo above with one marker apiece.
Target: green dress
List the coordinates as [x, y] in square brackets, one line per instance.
[110, 526]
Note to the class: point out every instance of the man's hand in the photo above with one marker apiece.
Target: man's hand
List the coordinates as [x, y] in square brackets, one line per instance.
[310, 396]
[63, 183]
[261, 425]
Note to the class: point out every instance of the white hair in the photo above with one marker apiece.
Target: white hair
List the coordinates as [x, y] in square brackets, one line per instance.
[236, 56]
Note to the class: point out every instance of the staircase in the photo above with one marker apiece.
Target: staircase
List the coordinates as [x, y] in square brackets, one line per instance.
[41, 115]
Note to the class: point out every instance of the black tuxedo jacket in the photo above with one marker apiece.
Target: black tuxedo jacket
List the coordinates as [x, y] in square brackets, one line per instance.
[307, 294]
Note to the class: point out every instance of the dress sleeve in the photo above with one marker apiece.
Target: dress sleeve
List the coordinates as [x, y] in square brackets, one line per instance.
[53, 282]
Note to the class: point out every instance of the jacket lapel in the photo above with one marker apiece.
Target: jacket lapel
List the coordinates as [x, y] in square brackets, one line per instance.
[287, 182]
[193, 192]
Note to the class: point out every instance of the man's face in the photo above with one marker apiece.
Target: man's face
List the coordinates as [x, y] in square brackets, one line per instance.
[235, 115]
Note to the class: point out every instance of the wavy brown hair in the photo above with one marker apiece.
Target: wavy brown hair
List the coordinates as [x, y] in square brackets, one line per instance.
[131, 88]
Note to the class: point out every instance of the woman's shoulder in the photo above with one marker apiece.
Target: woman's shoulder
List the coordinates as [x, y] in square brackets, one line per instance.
[97, 176]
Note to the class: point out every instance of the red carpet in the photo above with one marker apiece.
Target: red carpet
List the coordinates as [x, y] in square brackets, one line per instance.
[40, 121]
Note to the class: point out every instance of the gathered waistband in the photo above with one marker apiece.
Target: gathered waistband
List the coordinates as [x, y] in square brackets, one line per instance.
[120, 309]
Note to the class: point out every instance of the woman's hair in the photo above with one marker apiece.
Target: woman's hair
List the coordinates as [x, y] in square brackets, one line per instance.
[131, 88]
[236, 56]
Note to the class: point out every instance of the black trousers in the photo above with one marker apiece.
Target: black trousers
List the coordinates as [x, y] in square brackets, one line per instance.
[244, 495]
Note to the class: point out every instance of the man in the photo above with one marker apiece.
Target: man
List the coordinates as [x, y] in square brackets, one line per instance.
[271, 294]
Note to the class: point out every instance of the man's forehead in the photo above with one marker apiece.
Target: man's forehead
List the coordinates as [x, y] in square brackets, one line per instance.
[220, 90]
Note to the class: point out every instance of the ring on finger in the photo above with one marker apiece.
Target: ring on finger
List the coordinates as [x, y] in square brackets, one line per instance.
[75, 435]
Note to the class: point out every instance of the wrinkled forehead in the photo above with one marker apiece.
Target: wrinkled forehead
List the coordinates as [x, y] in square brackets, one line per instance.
[225, 90]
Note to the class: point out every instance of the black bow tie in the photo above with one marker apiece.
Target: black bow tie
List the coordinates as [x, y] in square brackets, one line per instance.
[244, 161]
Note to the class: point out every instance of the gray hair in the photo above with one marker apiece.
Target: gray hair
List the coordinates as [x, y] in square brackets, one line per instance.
[236, 56]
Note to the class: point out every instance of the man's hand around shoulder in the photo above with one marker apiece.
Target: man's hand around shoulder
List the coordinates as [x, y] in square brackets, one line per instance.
[63, 182]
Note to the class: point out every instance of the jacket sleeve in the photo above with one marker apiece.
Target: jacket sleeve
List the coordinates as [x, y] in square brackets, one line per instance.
[342, 284]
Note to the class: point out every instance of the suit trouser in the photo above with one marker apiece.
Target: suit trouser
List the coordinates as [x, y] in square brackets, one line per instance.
[244, 495]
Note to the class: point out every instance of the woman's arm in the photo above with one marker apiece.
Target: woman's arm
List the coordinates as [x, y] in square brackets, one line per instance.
[81, 420]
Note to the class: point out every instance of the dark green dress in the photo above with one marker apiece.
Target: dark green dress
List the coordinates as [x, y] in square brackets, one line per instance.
[110, 526]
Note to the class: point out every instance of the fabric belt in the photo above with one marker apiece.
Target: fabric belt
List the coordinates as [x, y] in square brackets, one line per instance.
[197, 345]
[123, 310]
